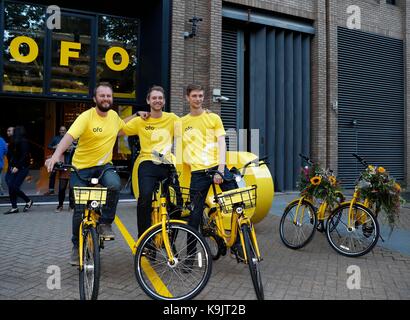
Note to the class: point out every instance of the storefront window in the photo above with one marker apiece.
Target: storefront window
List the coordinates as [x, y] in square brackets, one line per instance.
[117, 54]
[71, 56]
[23, 48]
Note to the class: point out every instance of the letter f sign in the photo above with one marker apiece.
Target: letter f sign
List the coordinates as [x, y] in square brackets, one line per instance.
[66, 53]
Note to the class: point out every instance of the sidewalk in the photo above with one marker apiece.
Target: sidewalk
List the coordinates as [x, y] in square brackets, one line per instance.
[38, 241]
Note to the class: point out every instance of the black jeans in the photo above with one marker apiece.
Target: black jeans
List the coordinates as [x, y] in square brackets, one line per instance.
[200, 182]
[111, 180]
[149, 175]
[14, 182]
[62, 187]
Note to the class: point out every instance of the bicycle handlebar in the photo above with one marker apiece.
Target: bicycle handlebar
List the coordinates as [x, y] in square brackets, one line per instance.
[213, 172]
[60, 166]
[360, 159]
[258, 160]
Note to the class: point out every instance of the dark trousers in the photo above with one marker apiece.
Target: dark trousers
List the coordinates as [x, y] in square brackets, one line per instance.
[111, 180]
[199, 187]
[14, 182]
[62, 187]
[149, 175]
[52, 180]
[200, 183]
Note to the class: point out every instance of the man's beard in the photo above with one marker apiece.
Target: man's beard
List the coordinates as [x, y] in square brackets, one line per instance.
[103, 109]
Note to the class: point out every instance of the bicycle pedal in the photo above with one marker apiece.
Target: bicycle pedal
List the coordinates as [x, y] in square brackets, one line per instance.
[107, 238]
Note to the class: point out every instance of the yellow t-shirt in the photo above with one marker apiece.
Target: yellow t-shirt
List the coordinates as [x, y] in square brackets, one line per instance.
[154, 133]
[200, 140]
[96, 138]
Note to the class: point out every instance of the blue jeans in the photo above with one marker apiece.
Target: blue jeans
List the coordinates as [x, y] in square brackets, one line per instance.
[14, 182]
[110, 180]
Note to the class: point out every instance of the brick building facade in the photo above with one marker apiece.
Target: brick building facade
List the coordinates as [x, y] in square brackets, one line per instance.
[198, 59]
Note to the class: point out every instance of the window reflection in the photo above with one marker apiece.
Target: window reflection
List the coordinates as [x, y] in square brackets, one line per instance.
[74, 78]
[23, 20]
[118, 32]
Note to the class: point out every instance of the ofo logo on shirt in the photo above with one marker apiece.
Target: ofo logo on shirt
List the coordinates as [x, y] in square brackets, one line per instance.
[149, 128]
[98, 129]
[188, 128]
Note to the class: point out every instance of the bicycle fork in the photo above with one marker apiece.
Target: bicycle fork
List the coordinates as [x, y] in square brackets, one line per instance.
[87, 221]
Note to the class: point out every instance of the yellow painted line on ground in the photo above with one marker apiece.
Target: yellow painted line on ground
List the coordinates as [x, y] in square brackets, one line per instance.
[156, 281]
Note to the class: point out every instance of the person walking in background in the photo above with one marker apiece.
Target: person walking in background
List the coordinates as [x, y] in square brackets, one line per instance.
[53, 146]
[3, 152]
[18, 156]
[10, 131]
[64, 177]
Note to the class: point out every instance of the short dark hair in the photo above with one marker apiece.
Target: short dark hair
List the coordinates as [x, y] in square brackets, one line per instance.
[192, 87]
[155, 88]
[102, 84]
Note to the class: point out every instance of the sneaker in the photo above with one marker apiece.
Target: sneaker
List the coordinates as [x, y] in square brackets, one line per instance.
[74, 258]
[368, 229]
[48, 193]
[149, 253]
[58, 209]
[106, 232]
[12, 210]
[237, 250]
[28, 205]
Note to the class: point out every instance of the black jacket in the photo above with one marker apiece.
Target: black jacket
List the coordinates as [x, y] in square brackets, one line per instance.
[18, 155]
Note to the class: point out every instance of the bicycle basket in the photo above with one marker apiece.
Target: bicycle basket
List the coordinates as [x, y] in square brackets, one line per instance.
[245, 197]
[82, 195]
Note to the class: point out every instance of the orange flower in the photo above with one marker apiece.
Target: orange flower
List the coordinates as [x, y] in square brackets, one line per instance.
[332, 180]
[381, 170]
[316, 180]
[397, 186]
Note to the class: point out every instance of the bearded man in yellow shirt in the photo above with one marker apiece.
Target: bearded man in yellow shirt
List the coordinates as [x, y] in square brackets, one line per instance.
[96, 130]
[156, 134]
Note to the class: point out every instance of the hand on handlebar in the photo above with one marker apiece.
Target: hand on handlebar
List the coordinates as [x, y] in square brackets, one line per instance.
[49, 164]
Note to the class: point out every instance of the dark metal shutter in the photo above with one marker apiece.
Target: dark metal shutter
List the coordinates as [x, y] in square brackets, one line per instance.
[280, 99]
[232, 84]
[371, 93]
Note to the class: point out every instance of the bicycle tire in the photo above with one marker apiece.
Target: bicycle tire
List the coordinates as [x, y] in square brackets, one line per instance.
[184, 280]
[296, 236]
[356, 241]
[208, 232]
[253, 263]
[90, 272]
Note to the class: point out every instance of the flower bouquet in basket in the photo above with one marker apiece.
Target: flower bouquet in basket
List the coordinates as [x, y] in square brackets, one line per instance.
[378, 187]
[319, 184]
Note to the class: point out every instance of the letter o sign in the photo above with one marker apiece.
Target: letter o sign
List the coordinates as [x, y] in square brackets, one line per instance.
[109, 58]
[15, 49]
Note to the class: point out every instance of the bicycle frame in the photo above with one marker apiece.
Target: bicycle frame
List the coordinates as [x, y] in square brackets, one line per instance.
[237, 221]
[160, 217]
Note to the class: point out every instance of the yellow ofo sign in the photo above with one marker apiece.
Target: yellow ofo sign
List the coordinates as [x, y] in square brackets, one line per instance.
[69, 50]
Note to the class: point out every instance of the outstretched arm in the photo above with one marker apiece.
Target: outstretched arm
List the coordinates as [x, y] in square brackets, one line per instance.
[57, 156]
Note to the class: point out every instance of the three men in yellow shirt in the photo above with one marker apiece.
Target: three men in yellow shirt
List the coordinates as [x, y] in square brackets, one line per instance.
[203, 145]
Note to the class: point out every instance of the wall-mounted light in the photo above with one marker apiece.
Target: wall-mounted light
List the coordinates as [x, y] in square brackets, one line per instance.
[194, 28]
[217, 97]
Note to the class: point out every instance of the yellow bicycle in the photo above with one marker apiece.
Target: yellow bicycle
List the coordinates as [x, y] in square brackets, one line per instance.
[91, 199]
[172, 260]
[353, 229]
[227, 224]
